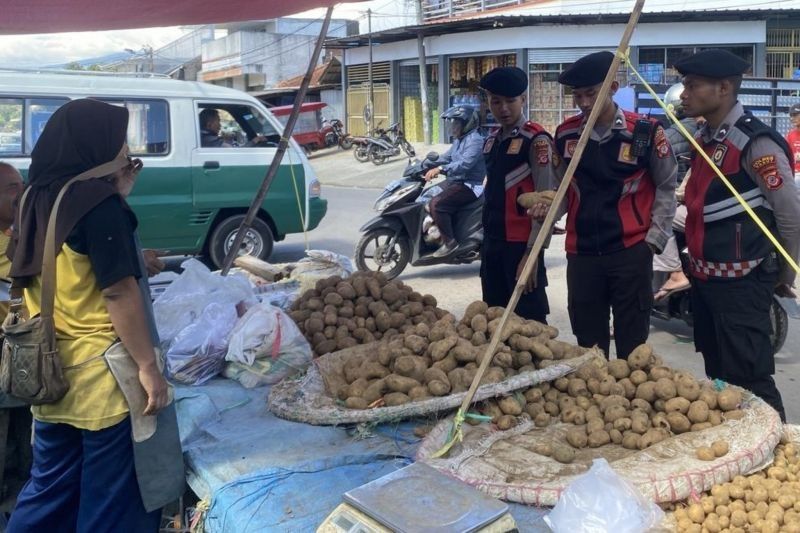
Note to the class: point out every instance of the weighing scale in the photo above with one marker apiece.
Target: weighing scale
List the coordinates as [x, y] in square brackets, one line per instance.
[418, 499]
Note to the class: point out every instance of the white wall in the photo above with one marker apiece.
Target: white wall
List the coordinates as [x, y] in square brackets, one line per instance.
[569, 36]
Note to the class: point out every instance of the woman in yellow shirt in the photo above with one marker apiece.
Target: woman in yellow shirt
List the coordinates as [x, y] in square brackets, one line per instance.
[84, 476]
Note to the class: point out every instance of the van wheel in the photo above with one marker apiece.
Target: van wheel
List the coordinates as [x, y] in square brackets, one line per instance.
[258, 240]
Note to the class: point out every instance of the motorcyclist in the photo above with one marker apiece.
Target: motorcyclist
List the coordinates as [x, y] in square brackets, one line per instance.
[464, 166]
[669, 260]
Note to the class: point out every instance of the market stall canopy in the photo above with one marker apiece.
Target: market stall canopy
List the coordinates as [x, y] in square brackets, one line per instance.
[50, 16]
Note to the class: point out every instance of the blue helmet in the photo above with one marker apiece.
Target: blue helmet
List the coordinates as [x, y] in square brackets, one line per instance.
[469, 117]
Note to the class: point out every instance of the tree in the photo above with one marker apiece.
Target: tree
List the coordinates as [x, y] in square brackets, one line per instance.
[74, 65]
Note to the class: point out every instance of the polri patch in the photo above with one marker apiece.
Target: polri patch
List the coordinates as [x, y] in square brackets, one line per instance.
[569, 148]
[487, 146]
[542, 148]
[719, 154]
[515, 147]
[767, 168]
[662, 145]
[625, 155]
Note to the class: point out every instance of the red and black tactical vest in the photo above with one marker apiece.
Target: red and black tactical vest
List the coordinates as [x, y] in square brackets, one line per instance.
[509, 175]
[611, 196]
[724, 242]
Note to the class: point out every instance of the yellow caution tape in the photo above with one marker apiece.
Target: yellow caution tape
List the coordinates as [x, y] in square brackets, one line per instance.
[734, 192]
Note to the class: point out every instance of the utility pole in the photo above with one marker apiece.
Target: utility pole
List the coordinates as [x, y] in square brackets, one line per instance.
[369, 75]
[423, 77]
[149, 51]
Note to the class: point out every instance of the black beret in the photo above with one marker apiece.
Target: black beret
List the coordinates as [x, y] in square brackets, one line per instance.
[712, 63]
[587, 71]
[505, 81]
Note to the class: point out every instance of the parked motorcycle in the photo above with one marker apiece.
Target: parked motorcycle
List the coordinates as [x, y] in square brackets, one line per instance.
[678, 305]
[404, 231]
[335, 134]
[382, 145]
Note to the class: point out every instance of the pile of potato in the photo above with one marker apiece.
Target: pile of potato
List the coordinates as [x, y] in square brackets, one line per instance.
[342, 313]
[635, 403]
[443, 358]
[768, 501]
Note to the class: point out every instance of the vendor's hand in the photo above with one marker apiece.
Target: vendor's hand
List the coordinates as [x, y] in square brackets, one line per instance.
[152, 262]
[156, 388]
[432, 173]
[530, 283]
[538, 212]
[784, 290]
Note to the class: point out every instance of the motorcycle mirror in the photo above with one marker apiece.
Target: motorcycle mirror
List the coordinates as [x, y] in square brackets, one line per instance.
[432, 156]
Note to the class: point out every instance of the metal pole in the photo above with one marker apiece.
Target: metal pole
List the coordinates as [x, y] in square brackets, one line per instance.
[282, 146]
[369, 75]
[423, 78]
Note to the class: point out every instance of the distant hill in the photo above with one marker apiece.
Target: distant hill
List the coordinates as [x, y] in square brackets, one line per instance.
[100, 60]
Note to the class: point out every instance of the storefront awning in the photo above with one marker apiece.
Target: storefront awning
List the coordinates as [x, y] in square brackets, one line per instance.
[50, 16]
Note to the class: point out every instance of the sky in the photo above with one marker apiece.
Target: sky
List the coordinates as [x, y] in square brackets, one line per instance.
[27, 51]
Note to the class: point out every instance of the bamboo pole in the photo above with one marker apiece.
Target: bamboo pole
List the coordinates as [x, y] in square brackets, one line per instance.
[282, 146]
[547, 224]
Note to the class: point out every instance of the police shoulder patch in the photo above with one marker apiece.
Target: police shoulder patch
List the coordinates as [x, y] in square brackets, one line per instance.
[487, 146]
[542, 149]
[663, 148]
[515, 147]
[767, 167]
[569, 148]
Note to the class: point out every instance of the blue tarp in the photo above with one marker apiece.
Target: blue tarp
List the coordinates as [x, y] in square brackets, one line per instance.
[263, 473]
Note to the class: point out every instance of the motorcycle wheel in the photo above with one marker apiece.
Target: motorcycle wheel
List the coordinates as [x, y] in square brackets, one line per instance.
[409, 149]
[373, 255]
[375, 157]
[345, 143]
[361, 153]
[780, 325]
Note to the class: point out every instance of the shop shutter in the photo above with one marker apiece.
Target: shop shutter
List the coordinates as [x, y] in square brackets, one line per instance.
[560, 55]
[357, 74]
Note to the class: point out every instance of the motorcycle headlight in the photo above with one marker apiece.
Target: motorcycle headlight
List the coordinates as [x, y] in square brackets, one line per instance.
[383, 203]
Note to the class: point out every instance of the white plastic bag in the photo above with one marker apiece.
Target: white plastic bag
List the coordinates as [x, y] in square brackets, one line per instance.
[184, 300]
[320, 264]
[198, 351]
[601, 501]
[266, 332]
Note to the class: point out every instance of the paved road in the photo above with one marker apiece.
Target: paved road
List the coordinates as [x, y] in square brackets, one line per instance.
[456, 286]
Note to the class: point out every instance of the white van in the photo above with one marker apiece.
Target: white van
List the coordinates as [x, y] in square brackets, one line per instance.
[189, 198]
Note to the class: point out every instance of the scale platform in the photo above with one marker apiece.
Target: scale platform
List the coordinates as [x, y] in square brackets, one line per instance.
[418, 499]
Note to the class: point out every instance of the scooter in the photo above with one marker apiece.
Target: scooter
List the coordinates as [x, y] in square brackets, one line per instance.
[388, 143]
[404, 231]
[678, 305]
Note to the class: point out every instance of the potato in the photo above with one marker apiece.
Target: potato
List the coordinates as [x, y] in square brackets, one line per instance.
[542, 420]
[465, 352]
[494, 374]
[709, 396]
[623, 424]
[678, 405]
[665, 389]
[447, 364]
[696, 513]
[658, 372]
[506, 422]
[357, 388]
[629, 389]
[510, 406]
[729, 399]
[599, 438]
[640, 357]
[576, 437]
[439, 388]
[705, 453]
[473, 309]
[687, 387]
[543, 448]
[619, 368]
[678, 423]
[614, 412]
[395, 398]
[397, 383]
[523, 360]
[659, 420]
[561, 384]
[719, 447]
[411, 366]
[653, 436]
[375, 390]
[698, 412]
[736, 414]
[564, 454]
[370, 370]
[356, 402]
[577, 387]
[646, 391]
[630, 440]
[419, 392]
[595, 424]
[640, 422]
[643, 405]
[638, 377]
[573, 415]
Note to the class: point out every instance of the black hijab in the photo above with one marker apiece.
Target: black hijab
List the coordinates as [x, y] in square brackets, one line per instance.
[80, 135]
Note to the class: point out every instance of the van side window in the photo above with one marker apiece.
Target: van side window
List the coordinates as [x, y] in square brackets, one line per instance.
[37, 112]
[11, 126]
[148, 126]
[226, 125]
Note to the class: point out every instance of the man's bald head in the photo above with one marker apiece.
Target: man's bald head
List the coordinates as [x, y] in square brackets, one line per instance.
[10, 188]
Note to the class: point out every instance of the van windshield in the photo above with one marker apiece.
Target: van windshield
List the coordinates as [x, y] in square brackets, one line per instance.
[237, 125]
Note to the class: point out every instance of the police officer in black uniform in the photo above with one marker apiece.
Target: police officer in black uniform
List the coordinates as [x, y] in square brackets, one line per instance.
[620, 206]
[735, 268]
[519, 159]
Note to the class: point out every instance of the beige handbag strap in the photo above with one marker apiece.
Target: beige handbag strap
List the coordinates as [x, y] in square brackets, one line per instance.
[50, 252]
